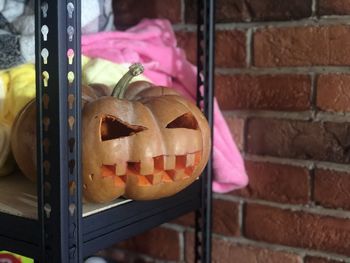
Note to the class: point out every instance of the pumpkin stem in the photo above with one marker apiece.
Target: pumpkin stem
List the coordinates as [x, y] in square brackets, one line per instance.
[119, 89]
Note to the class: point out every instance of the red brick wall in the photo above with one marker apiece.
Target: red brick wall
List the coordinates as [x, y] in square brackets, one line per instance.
[283, 81]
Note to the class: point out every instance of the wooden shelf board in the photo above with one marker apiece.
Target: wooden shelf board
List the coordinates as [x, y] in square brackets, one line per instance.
[18, 197]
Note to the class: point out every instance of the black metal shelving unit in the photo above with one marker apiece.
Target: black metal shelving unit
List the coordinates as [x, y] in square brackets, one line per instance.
[62, 230]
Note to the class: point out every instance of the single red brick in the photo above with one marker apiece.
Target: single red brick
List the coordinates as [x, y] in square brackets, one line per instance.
[226, 11]
[276, 182]
[160, 243]
[334, 7]
[297, 229]
[264, 92]
[331, 189]
[187, 220]
[189, 247]
[225, 218]
[302, 46]
[130, 12]
[228, 251]
[230, 47]
[299, 139]
[236, 126]
[333, 92]
[319, 260]
[269, 10]
[255, 10]
[188, 42]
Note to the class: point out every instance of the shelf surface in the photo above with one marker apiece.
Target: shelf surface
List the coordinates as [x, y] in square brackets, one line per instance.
[102, 225]
[18, 197]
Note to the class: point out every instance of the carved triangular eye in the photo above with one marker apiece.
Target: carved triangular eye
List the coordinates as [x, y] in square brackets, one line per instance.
[187, 121]
[113, 128]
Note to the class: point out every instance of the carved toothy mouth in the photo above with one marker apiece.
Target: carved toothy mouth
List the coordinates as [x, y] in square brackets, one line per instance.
[166, 169]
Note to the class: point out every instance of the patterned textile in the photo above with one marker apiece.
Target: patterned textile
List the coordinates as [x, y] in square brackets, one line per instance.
[17, 43]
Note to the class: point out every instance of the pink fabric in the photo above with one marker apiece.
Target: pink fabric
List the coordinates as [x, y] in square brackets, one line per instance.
[153, 43]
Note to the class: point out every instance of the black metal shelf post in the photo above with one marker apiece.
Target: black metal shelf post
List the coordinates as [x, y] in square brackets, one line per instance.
[57, 28]
[205, 78]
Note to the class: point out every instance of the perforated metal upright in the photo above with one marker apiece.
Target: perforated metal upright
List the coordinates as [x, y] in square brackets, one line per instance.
[205, 78]
[58, 130]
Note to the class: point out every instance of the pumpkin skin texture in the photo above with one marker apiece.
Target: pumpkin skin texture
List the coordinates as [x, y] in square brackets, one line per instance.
[149, 145]
[23, 140]
[23, 134]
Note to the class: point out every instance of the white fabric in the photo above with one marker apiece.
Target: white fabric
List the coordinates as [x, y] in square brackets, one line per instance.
[95, 260]
[17, 27]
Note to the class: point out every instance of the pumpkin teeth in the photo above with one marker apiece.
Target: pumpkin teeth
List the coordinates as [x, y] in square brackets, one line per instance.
[181, 167]
[190, 158]
[121, 168]
[169, 162]
[147, 166]
[197, 159]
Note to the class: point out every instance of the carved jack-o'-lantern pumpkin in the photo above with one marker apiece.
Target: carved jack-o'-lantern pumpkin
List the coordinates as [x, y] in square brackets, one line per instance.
[149, 144]
[144, 142]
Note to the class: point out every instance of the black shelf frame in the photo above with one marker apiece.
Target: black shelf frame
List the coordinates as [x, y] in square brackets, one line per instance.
[61, 234]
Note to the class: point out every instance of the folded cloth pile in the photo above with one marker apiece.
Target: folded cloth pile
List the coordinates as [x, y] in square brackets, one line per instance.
[17, 88]
[17, 44]
[153, 43]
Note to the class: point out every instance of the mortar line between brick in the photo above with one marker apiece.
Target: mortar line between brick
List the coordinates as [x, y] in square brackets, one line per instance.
[284, 70]
[312, 188]
[240, 217]
[314, 8]
[245, 135]
[309, 164]
[301, 115]
[174, 226]
[316, 210]
[313, 95]
[249, 47]
[282, 248]
[182, 246]
[312, 21]
[183, 11]
[335, 117]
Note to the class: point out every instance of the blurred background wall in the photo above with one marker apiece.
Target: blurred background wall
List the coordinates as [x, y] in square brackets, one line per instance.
[283, 82]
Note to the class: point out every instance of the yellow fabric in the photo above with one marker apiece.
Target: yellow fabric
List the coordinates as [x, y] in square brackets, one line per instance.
[104, 71]
[19, 83]
[17, 88]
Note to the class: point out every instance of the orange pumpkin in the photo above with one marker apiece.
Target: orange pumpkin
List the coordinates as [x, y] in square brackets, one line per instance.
[144, 142]
[150, 143]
